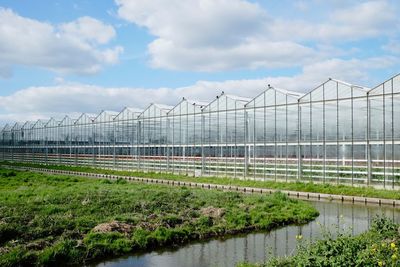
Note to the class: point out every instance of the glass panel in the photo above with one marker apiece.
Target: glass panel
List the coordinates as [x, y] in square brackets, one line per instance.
[376, 117]
[388, 116]
[396, 119]
[377, 90]
[360, 119]
[305, 98]
[388, 87]
[331, 88]
[318, 93]
[280, 98]
[305, 113]
[396, 84]
[344, 91]
[331, 115]
[345, 120]
[292, 123]
[317, 111]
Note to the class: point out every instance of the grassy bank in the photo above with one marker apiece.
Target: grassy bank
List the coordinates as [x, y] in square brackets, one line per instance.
[377, 247]
[47, 219]
[295, 186]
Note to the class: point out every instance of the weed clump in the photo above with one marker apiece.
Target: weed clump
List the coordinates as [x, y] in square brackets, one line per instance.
[376, 247]
[6, 174]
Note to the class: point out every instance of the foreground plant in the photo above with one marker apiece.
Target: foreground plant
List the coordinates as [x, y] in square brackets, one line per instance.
[377, 247]
[46, 219]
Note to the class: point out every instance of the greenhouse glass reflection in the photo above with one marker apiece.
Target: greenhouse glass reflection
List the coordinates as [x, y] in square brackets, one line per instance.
[336, 133]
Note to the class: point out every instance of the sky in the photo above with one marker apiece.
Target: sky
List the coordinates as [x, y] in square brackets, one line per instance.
[68, 57]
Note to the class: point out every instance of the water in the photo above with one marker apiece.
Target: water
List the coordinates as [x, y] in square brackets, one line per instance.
[257, 247]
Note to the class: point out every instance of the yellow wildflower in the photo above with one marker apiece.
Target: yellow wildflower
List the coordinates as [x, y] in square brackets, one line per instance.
[299, 237]
[380, 263]
[392, 245]
[394, 257]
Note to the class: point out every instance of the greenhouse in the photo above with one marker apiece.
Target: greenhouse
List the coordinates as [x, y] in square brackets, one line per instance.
[337, 133]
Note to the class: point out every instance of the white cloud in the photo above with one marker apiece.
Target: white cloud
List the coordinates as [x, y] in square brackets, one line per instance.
[345, 22]
[369, 14]
[71, 98]
[393, 46]
[214, 35]
[363, 20]
[69, 48]
[59, 80]
[196, 23]
[251, 54]
[209, 35]
[88, 29]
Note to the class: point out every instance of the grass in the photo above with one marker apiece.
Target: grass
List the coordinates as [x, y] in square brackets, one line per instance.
[376, 247]
[294, 186]
[46, 220]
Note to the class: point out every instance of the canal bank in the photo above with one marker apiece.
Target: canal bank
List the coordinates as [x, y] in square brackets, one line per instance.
[259, 247]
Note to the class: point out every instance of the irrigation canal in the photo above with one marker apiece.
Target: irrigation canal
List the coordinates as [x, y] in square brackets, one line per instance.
[258, 247]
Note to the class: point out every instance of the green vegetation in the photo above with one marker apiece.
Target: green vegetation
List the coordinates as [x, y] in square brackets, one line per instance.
[49, 219]
[294, 186]
[377, 247]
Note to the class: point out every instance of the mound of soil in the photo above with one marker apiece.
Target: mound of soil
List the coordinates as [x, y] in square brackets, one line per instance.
[113, 226]
[212, 212]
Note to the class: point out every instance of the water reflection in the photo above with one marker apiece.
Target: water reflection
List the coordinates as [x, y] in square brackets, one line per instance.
[258, 247]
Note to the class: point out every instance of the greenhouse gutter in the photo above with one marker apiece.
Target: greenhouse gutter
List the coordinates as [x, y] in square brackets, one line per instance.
[292, 194]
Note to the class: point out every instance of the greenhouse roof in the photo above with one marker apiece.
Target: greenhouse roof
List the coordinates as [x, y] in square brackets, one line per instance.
[6, 127]
[274, 96]
[195, 106]
[135, 111]
[151, 110]
[389, 86]
[287, 92]
[52, 121]
[196, 102]
[27, 125]
[227, 97]
[351, 85]
[238, 98]
[106, 113]
[163, 107]
[67, 119]
[17, 126]
[84, 116]
[333, 89]
[39, 123]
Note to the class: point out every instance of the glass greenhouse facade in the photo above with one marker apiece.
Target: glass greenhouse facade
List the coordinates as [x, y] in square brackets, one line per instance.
[337, 133]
